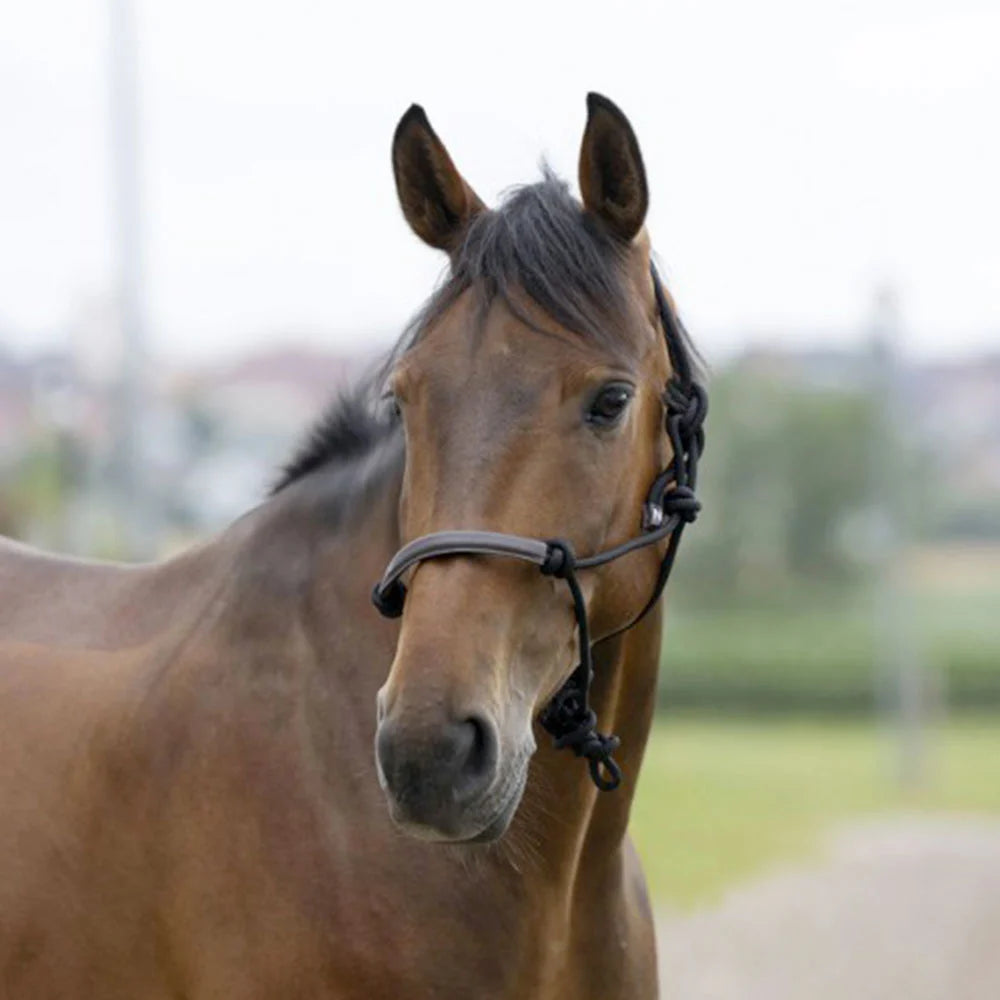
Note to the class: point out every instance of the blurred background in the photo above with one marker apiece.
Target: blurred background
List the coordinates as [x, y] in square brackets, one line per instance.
[199, 240]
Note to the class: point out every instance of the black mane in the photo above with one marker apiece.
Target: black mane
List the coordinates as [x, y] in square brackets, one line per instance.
[539, 243]
[350, 427]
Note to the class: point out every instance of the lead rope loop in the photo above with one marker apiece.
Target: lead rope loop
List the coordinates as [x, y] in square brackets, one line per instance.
[568, 717]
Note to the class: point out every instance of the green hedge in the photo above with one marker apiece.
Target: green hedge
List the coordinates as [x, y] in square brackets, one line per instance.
[820, 655]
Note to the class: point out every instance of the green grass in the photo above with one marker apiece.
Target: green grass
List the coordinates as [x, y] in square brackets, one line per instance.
[722, 800]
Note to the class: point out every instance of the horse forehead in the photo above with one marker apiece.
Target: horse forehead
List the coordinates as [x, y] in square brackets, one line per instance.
[498, 363]
[483, 394]
[490, 394]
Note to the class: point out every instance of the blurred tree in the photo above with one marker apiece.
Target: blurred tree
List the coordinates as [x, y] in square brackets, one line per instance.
[34, 491]
[827, 439]
[785, 471]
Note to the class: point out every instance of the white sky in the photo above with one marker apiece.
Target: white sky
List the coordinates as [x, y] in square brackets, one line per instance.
[799, 153]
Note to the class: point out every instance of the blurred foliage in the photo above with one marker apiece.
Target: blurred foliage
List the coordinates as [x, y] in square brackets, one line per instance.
[722, 801]
[804, 655]
[785, 471]
[772, 603]
[976, 519]
[35, 489]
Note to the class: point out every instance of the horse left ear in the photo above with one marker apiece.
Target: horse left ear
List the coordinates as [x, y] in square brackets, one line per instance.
[435, 198]
[612, 175]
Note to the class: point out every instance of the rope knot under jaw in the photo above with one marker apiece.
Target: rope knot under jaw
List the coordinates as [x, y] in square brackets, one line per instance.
[573, 724]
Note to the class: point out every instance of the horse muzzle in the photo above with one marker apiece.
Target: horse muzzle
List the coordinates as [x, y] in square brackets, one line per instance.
[442, 776]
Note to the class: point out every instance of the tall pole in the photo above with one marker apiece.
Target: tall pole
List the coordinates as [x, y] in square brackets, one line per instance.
[900, 667]
[131, 497]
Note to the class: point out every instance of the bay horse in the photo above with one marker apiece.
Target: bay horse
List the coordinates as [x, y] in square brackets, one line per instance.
[190, 804]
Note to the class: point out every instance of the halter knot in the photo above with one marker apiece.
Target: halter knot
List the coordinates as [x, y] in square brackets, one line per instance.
[689, 403]
[680, 500]
[389, 600]
[560, 559]
[573, 724]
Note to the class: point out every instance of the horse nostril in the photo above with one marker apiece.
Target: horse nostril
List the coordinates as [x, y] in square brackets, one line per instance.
[385, 749]
[454, 761]
[476, 757]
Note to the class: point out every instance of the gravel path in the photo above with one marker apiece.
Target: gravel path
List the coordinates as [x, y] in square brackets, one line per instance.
[901, 909]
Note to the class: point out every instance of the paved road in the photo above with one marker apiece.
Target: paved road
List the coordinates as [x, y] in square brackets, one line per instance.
[901, 909]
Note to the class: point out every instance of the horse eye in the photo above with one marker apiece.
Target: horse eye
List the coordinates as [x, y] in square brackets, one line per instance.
[609, 404]
[391, 405]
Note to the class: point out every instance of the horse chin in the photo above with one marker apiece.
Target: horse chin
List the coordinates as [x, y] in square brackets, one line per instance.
[498, 827]
[509, 798]
[488, 824]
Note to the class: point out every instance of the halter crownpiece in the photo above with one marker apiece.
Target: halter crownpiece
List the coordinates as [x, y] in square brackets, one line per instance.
[670, 505]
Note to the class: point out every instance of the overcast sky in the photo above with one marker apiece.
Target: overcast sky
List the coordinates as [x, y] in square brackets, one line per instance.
[799, 154]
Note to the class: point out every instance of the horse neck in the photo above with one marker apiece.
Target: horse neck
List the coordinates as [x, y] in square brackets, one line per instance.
[311, 559]
[281, 629]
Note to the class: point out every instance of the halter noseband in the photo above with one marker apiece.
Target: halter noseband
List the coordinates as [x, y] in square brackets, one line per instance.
[670, 505]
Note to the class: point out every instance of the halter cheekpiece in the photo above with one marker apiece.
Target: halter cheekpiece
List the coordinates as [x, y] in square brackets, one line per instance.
[670, 505]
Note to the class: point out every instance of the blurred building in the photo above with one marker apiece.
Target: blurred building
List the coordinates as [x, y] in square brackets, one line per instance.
[212, 440]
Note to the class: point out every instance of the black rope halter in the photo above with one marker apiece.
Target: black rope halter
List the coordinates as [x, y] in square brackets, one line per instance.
[670, 505]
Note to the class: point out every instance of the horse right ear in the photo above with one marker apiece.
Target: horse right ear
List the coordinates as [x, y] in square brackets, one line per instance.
[612, 176]
[436, 200]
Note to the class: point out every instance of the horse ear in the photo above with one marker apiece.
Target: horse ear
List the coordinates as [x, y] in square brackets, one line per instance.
[612, 176]
[436, 200]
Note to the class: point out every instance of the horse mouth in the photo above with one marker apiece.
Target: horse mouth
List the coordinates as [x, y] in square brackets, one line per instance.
[484, 823]
[494, 830]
